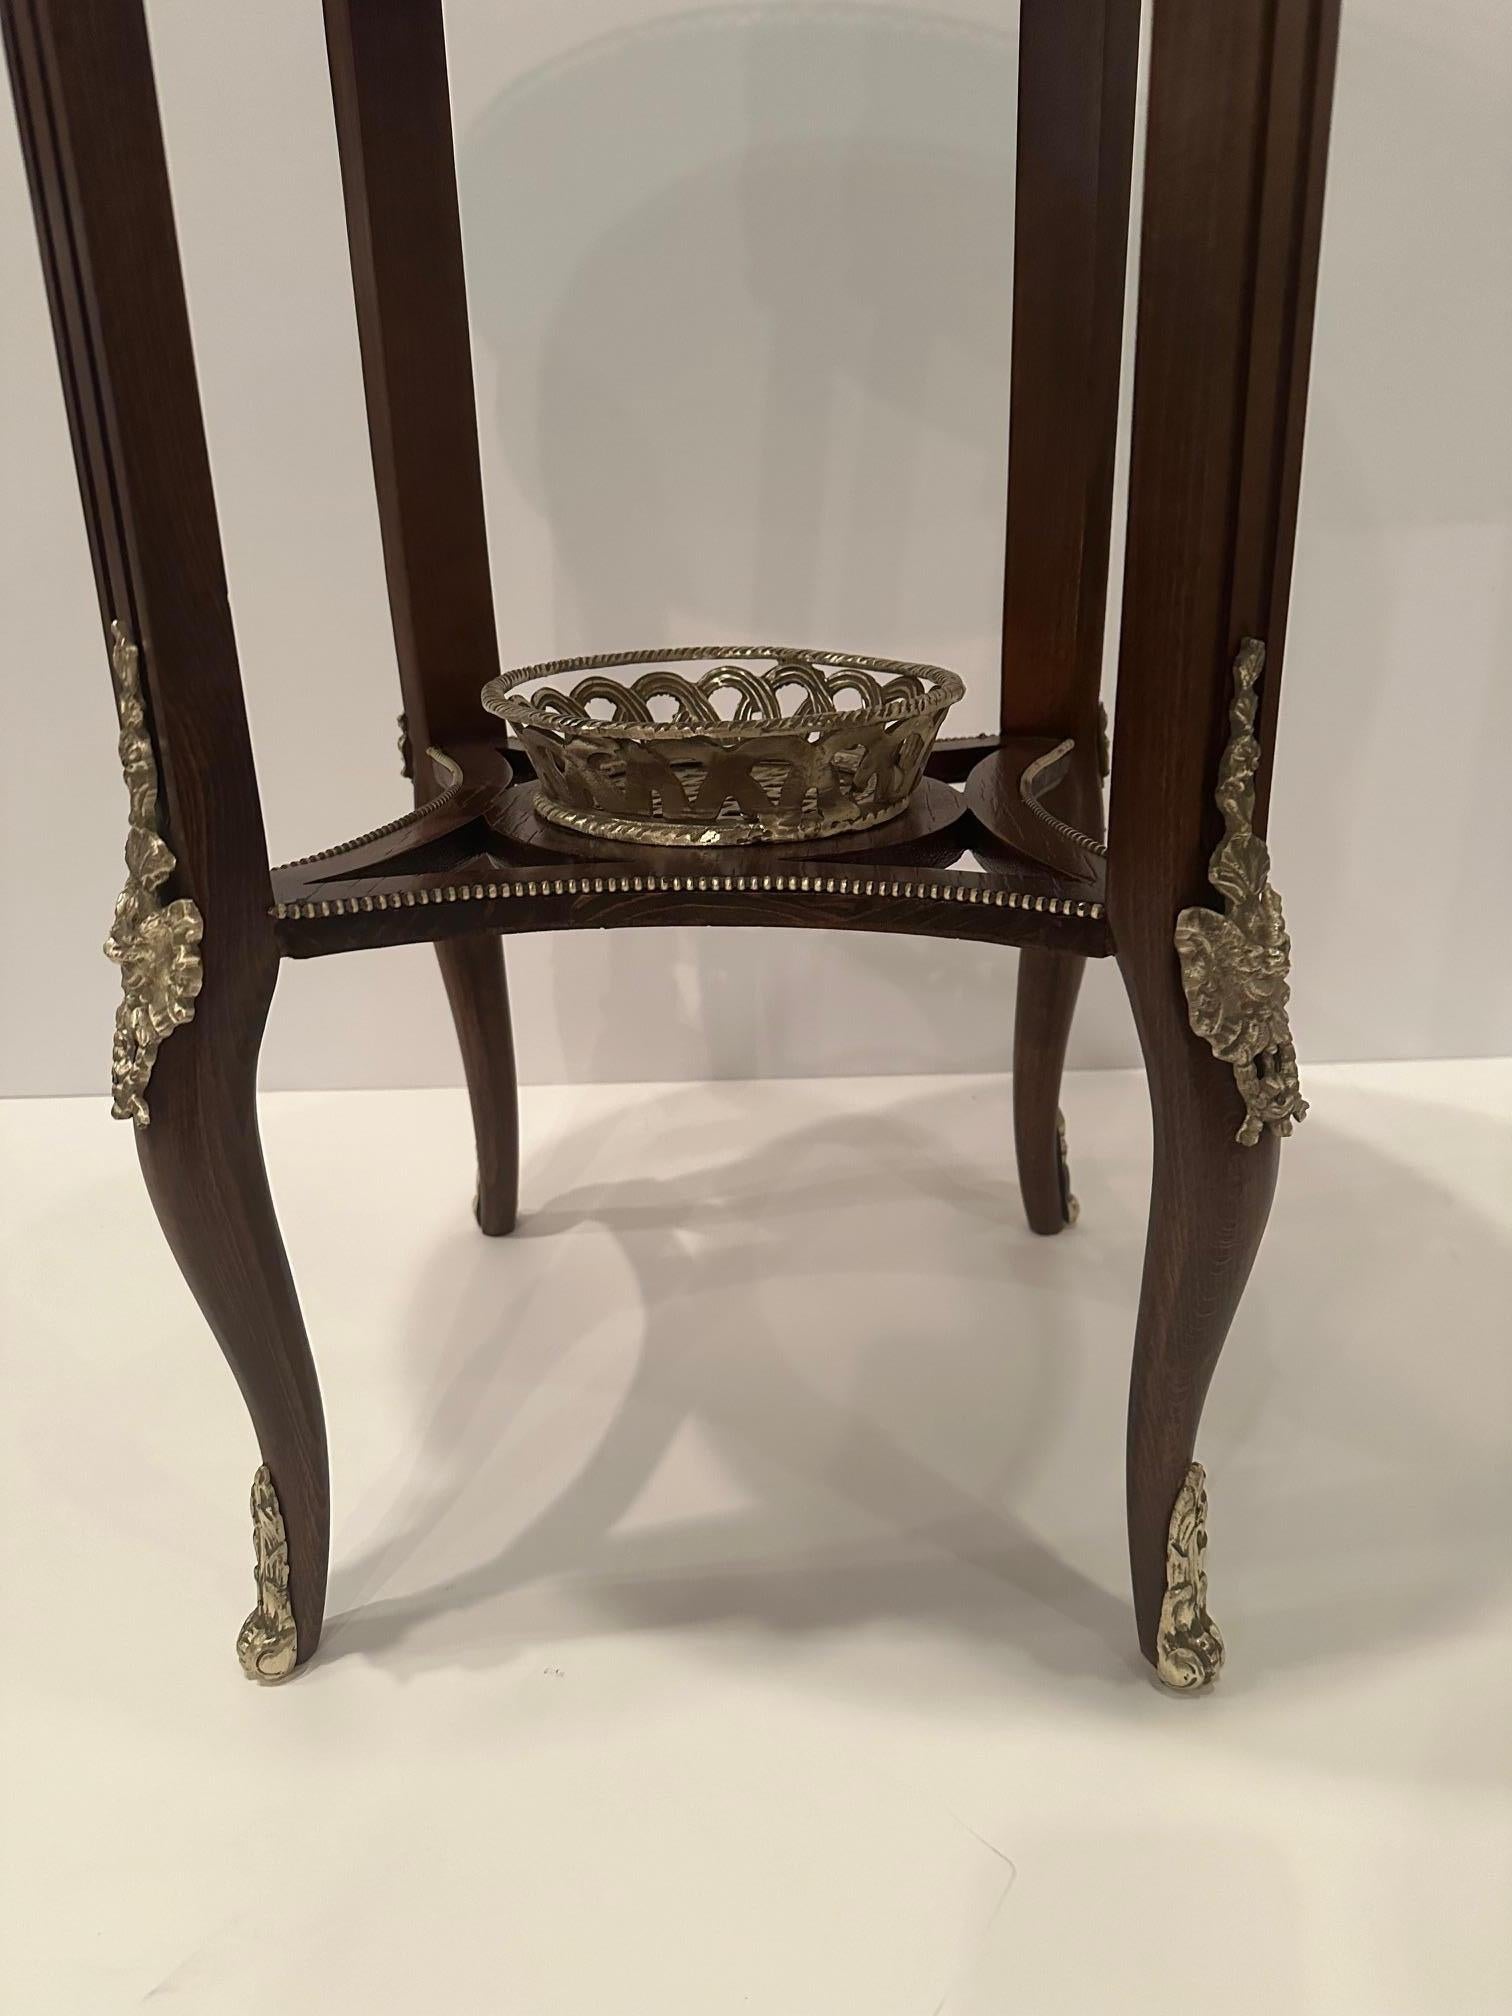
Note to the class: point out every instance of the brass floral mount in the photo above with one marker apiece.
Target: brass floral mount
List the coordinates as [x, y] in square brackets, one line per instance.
[268, 1644]
[155, 944]
[1188, 1649]
[1235, 967]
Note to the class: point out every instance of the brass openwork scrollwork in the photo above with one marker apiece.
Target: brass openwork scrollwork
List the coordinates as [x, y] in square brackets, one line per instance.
[268, 1643]
[803, 746]
[1235, 965]
[155, 944]
[1189, 1648]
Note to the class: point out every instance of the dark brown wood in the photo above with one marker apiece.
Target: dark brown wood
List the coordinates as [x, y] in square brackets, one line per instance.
[203, 1163]
[1239, 103]
[473, 970]
[479, 858]
[87, 109]
[1240, 97]
[931, 832]
[954, 757]
[1048, 984]
[82, 78]
[394, 132]
[1078, 78]
[317, 920]
[435, 835]
[1009, 793]
[1016, 795]
[1024, 800]
[1304, 59]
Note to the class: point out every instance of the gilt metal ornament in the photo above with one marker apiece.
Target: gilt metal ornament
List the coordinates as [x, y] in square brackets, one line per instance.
[1189, 1648]
[155, 944]
[762, 744]
[268, 1643]
[1235, 964]
[1070, 1203]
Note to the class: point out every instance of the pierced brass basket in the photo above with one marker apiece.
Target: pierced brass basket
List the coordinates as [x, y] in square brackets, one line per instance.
[755, 747]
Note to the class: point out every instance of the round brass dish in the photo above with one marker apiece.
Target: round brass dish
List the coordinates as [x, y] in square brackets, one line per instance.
[756, 746]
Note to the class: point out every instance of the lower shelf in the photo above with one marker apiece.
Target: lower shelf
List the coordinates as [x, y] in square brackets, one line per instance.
[477, 859]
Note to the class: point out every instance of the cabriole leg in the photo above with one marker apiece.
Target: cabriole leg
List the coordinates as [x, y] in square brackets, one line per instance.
[1048, 985]
[473, 969]
[202, 1158]
[1209, 1203]
[1224, 1085]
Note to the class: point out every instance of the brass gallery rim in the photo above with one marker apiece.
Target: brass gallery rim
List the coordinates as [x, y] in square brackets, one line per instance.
[551, 711]
[762, 743]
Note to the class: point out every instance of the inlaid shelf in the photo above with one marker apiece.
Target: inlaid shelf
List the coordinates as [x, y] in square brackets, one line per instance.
[480, 856]
[1002, 837]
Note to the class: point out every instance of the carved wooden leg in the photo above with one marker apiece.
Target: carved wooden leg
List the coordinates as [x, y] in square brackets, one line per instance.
[473, 969]
[1209, 1204]
[203, 1162]
[1048, 985]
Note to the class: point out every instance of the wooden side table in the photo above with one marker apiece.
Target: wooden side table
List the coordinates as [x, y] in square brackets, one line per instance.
[1178, 892]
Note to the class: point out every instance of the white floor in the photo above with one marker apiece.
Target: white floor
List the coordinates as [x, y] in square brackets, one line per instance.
[728, 1608]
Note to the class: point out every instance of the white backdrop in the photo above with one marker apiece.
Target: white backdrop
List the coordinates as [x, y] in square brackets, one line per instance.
[741, 294]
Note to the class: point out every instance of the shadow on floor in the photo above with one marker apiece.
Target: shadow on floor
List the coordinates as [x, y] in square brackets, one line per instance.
[907, 1470]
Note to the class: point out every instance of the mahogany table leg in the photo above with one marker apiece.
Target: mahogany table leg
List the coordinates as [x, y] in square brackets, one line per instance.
[202, 1158]
[1048, 985]
[473, 969]
[1209, 1203]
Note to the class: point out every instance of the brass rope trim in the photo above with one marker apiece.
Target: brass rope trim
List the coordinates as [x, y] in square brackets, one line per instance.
[1031, 777]
[410, 818]
[686, 885]
[500, 696]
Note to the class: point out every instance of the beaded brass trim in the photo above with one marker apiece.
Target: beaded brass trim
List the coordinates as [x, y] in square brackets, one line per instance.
[1189, 1647]
[268, 1643]
[155, 944]
[410, 818]
[689, 885]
